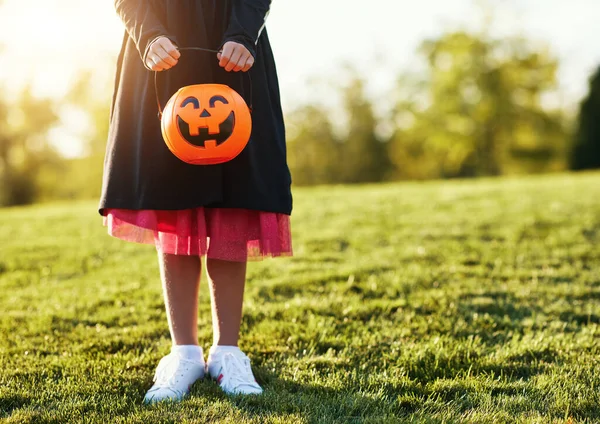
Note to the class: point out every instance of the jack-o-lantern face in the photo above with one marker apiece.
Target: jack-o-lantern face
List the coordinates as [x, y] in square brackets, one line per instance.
[206, 124]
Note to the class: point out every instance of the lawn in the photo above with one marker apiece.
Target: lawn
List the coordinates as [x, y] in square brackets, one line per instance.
[462, 301]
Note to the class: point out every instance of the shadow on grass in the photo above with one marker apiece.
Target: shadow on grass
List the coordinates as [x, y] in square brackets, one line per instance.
[353, 401]
[494, 315]
[497, 304]
[579, 319]
[387, 403]
[11, 403]
[430, 367]
[319, 404]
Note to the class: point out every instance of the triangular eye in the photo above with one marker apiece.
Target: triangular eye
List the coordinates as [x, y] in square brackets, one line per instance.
[191, 100]
[215, 99]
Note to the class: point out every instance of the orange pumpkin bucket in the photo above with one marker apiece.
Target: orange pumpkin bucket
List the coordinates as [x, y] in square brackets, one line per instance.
[206, 124]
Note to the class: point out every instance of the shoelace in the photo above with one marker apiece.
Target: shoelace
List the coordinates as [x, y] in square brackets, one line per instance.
[168, 374]
[237, 371]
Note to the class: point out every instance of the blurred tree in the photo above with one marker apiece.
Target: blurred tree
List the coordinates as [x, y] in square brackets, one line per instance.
[313, 148]
[24, 150]
[586, 149]
[81, 177]
[92, 97]
[320, 153]
[364, 156]
[479, 110]
[30, 168]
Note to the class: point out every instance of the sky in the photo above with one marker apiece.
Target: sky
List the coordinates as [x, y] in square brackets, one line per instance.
[46, 43]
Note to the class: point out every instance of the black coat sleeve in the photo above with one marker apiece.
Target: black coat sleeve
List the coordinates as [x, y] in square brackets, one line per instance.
[142, 24]
[247, 21]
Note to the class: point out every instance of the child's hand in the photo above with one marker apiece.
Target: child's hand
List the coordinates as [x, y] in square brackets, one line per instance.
[235, 57]
[162, 55]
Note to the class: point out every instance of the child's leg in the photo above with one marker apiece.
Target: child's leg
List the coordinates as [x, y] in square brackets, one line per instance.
[185, 364]
[181, 280]
[226, 362]
[227, 280]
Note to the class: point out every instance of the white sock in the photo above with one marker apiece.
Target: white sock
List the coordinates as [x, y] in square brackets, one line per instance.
[216, 349]
[189, 352]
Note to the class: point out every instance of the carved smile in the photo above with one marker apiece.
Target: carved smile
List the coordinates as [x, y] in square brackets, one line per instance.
[204, 137]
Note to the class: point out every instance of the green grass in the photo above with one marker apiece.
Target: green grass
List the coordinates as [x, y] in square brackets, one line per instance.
[438, 302]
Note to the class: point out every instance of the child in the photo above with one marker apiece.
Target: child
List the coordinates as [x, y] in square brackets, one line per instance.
[229, 212]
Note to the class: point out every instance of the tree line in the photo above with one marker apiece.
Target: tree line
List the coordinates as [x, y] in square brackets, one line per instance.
[480, 106]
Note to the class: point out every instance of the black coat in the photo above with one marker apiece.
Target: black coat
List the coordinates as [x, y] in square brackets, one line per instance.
[140, 172]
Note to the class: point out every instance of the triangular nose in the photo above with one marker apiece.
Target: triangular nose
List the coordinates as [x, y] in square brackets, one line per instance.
[205, 114]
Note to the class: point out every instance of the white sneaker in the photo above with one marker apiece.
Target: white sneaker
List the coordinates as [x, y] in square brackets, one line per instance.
[231, 369]
[174, 378]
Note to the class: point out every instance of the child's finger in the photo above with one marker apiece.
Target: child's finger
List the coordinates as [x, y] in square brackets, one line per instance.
[243, 60]
[150, 63]
[226, 55]
[233, 61]
[155, 63]
[163, 44]
[171, 49]
[167, 58]
[240, 63]
[249, 63]
[159, 63]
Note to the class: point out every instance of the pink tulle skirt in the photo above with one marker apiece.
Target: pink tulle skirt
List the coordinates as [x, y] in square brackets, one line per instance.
[227, 234]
